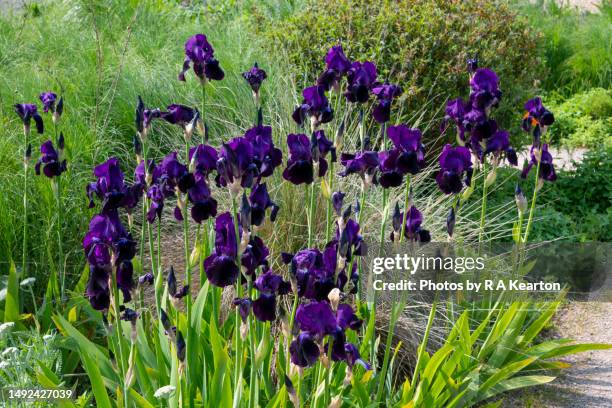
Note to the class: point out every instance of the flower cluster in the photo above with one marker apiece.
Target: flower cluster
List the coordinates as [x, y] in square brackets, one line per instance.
[320, 278]
[475, 129]
[108, 246]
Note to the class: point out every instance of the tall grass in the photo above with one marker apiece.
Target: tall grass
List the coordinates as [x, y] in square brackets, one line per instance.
[577, 44]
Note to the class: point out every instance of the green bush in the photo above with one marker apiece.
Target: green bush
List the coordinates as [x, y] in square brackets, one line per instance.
[576, 48]
[579, 203]
[422, 44]
[584, 120]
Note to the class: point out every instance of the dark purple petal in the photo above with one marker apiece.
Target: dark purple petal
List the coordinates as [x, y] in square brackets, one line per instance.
[304, 351]
[221, 270]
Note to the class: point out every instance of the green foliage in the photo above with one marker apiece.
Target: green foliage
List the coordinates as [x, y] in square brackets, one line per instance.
[422, 45]
[482, 358]
[28, 358]
[576, 46]
[578, 205]
[584, 119]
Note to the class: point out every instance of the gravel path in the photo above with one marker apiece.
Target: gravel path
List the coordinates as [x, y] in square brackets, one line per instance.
[588, 382]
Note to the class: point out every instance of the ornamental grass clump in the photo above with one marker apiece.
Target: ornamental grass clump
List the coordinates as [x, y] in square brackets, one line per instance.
[299, 330]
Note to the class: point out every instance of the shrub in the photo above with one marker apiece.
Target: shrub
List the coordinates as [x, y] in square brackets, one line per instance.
[584, 120]
[576, 47]
[421, 44]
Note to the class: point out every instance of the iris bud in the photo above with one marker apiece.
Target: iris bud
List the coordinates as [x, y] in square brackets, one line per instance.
[521, 201]
[334, 298]
[490, 180]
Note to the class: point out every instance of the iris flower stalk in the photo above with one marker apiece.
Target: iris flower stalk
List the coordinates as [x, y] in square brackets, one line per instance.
[121, 365]
[57, 189]
[539, 118]
[406, 205]
[238, 366]
[483, 207]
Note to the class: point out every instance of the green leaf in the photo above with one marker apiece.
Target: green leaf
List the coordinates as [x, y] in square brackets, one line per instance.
[515, 383]
[11, 305]
[86, 347]
[97, 383]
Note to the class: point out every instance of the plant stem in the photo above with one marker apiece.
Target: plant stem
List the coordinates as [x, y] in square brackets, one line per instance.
[311, 214]
[328, 224]
[202, 114]
[533, 204]
[121, 364]
[238, 366]
[60, 248]
[26, 166]
[483, 208]
[406, 202]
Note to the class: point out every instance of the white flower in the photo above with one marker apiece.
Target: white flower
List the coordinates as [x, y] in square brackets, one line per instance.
[27, 282]
[165, 391]
[4, 365]
[10, 350]
[5, 327]
[47, 338]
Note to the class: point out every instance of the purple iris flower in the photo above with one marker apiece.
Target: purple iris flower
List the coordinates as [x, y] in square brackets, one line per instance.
[244, 307]
[316, 318]
[255, 76]
[260, 201]
[97, 290]
[205, 160]
[412, 227]
[27, 112]
[200, 53]
[204, 206]
[455, 162]
[299, 166]
[350, 241]
[304, 350]
[536, 117]
[361, 78]
[220, 266]
[320, 147]
[408, 142]
[385, 93]
[362, 163]
[390, 173]
[499, 144]
[337, 66]
[547, 170]
[175, 174]
[144, 117]
[265, 156]
[353, 357]
[455, 111]
[485, 89]
[98, 241]
[48, 100]
[314, 105]
[255, 255]
[178, 114]
[50, 160]
[106, 243]
[111, 189]
[269, 286]
[337, 202]
[236, 167]
[155, 193]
